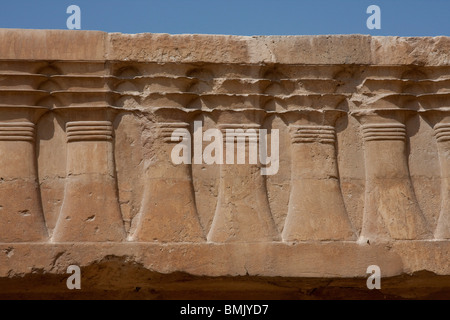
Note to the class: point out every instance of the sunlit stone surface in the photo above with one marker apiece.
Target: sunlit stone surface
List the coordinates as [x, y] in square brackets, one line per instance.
[86, 176]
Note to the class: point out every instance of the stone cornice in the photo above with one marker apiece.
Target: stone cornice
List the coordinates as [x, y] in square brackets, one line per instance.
[64, 45]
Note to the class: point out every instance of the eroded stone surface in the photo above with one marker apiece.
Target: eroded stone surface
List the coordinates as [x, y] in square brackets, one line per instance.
[363, 178]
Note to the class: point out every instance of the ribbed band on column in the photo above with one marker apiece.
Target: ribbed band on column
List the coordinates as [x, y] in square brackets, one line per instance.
[442, 132]
[309, 134]
[231, 132]
[384, 131]
[89, 131]
[167, 128]
[17, 131]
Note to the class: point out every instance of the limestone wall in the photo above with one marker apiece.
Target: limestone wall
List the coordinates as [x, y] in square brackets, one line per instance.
[364, 135]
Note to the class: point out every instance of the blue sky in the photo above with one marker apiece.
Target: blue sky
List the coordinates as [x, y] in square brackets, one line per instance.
[236, 17]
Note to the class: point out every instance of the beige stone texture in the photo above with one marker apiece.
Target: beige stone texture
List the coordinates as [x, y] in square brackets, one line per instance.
[87, 179]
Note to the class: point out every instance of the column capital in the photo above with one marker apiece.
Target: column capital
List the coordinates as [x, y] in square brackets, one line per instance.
[167, 128]
[170, 100]
[172, 114]
[384, 131]
[18, 98]
[85, 113]
[241, 117]
[232, 101]
[312, 133]
[434, 101]
[442, 131]
[436, 116]
[22, 113]
[317, 101]
[385, 115]
[301, 117]
[17, 131]
[390, 101]
[89, 131]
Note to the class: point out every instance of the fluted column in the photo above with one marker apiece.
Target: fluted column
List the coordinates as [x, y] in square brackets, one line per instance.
[391, 210]
[90, 210]
[21, 215]
[169, 212]
[440, 120]
[316, 206]
[242, 211]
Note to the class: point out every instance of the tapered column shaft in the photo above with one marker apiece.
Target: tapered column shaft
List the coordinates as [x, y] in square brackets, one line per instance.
[90, 211]
[21, 215]
[391, 210]
[169, 212]
[316, 206]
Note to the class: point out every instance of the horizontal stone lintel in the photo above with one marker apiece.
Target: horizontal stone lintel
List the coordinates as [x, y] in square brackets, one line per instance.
[69, 45]
[304, 259]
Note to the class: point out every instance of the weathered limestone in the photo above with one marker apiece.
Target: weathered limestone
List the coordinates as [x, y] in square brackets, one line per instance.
[443, 138]
[21, 215]
[316, 208]
[391, 209]
[89, 121]
[169, 212]
[242, 187]
[90, 211]
[438, 114]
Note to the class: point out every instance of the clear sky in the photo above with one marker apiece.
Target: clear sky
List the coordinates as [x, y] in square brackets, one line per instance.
[236, 17]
